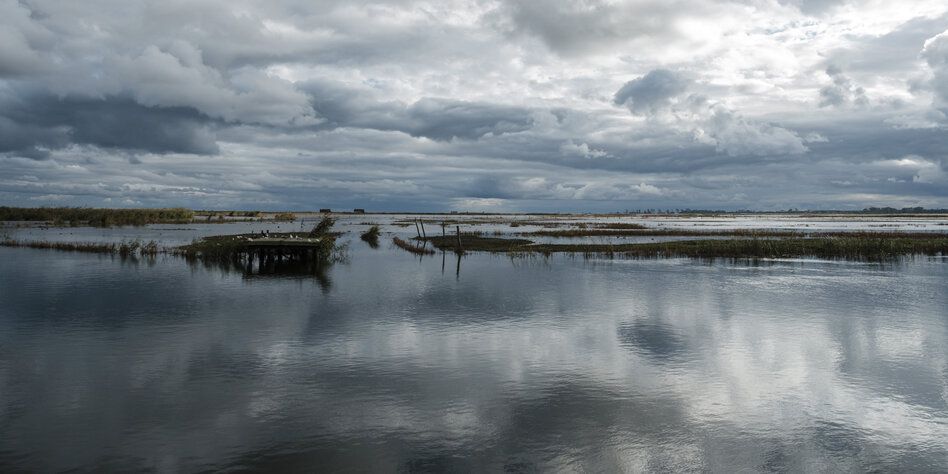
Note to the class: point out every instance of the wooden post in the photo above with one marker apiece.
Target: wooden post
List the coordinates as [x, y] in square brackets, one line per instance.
[460, 248]
[443, 225]
[416, 228]
[423, 234]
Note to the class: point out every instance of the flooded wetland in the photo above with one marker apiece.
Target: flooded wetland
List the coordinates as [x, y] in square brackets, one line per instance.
[452, 343]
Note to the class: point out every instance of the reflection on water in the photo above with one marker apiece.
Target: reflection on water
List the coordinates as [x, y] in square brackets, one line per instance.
[271, 267]
[407, 364]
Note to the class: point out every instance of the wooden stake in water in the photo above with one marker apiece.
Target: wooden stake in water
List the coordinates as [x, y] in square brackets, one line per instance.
[460, 249]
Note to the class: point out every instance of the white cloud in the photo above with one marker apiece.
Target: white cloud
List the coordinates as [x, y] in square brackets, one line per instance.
[583, 150]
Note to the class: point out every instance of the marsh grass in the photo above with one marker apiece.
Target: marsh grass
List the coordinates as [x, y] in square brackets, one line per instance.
[76, 216]
[132, 248]
[477, 243]
[833, 247]
[750, 233]
[322, 227]
[284, 217]
[415, 249]
[620, 226]
[371, 236]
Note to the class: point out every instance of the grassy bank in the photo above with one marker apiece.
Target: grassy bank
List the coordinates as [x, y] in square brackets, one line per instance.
[853, 248]
[75, 216]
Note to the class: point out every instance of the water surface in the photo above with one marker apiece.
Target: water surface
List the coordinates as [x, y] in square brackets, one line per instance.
[394, 363]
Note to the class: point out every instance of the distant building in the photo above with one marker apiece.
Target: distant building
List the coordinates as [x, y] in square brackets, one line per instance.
[358, 211]
[325, 211]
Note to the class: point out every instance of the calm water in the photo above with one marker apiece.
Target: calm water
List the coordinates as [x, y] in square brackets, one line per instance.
[391, 363]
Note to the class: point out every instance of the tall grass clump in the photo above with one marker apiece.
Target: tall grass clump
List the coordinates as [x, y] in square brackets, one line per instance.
[371, 236]
[322, 227]
[285, 217]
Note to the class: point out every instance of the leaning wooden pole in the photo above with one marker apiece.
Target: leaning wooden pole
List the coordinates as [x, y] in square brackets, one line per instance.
[458, 230]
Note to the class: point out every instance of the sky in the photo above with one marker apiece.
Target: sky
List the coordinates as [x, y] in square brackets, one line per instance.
[502, 106]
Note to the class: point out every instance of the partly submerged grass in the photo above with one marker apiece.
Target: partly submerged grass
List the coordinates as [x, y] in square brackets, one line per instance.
[620, 225]
[660, 232]
[415, 249]
[477, 243]
[371, 236]
[124, 249]
[821, 247]
[854, 248]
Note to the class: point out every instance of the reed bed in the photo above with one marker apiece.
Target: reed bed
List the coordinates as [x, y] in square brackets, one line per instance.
[477, 242]
[751, 233]
[620, 226]
[284, 217]
[75, 216]
[850, 248]
[415, 249]
[125, 249]
[844, 248]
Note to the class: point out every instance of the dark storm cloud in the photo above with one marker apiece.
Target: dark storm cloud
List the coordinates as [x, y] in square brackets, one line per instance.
[39, 124]
[651, 92]
[434, 118]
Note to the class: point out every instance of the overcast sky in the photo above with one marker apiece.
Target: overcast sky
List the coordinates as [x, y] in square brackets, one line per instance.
[474, 105]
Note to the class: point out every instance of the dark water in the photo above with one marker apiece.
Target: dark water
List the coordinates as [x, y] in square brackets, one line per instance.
[388, 363]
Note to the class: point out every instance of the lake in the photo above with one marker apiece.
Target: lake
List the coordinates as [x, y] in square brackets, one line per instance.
[391, 362]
